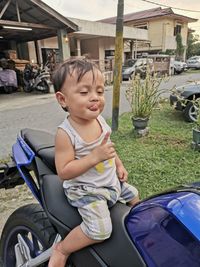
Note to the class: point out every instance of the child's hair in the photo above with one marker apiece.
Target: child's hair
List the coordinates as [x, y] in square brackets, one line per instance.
[80, 65]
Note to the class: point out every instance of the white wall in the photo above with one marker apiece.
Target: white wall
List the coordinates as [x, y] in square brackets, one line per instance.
[45, 43]
[90, 46]
[49, 43]
[32, 53]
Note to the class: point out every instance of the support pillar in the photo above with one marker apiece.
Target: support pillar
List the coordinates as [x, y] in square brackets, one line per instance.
[135, 49]
[38, 52]
[78, 45]
[184, 53]
[64, 48]
[131, 49]
[101, 54]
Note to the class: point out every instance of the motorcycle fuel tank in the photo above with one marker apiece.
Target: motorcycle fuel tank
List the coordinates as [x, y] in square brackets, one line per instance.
[166, 229]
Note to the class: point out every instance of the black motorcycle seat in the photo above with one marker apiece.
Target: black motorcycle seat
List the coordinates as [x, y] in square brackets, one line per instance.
[110, 250]
[43, 144]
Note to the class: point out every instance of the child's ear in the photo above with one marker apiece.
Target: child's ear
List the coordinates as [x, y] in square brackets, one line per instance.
[61, 99]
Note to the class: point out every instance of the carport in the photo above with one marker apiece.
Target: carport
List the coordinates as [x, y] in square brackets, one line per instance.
[32, 20]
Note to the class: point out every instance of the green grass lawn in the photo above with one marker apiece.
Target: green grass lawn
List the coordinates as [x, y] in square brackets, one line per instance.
[191, 71]
[164, 158]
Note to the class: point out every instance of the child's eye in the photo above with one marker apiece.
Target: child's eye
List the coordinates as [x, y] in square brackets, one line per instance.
[100, 92]
[83, 93]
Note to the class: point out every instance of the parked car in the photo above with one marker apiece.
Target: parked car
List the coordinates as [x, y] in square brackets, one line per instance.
[133, 66]
[128, 69]
[182, 98]
[179, 66]
[194, 62]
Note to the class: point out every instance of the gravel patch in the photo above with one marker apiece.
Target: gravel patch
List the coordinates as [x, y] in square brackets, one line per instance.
[12, 199]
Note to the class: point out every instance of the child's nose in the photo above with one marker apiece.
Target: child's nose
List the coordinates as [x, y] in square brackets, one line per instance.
[94, 96]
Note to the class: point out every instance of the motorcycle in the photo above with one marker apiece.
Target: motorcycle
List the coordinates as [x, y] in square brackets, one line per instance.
[160, 231]
[36, 79]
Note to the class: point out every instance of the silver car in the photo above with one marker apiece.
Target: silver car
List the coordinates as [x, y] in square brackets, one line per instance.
[179, 66]
[194, 62]
[133, 66]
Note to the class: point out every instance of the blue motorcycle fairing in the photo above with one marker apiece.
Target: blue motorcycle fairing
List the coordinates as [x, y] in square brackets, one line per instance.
[23, 156]
[166, 229]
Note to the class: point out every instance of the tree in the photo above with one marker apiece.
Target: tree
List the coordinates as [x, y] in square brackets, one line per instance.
[193, 45]
[179, 47]
[118, 64]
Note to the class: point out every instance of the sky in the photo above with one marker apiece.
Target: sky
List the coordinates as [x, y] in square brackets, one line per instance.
[99, 9]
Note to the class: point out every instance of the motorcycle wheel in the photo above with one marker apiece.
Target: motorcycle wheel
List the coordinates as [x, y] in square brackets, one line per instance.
[45, 87]
[32, 223]
[27, 88]
[8, 89]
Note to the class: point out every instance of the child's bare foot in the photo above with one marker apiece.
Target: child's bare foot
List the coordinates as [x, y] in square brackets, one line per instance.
[58, 256]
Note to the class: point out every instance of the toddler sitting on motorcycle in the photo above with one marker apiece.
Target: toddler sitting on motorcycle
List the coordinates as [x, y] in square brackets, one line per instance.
[94, 178]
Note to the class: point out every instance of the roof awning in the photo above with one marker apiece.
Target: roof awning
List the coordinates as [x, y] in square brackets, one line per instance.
[30, 20]
[91, 29]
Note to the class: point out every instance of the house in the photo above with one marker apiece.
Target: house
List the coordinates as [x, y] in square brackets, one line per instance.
[32, 30]
[162, 25]
[92, 39]
[97, 40]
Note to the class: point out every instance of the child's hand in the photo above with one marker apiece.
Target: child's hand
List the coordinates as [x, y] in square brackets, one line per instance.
[105, 150]
[122, 173]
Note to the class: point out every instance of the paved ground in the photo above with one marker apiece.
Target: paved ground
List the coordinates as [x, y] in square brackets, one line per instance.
[22, 111]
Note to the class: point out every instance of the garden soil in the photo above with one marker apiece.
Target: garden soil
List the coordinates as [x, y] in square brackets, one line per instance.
[11, 200]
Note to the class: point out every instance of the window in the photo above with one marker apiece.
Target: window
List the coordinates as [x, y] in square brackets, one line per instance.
[141, 26]
[109, 53]
[177, 29]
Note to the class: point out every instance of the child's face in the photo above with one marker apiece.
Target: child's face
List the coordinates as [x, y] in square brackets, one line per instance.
[85, 99]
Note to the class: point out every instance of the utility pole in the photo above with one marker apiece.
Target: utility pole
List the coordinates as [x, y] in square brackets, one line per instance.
[118, 64]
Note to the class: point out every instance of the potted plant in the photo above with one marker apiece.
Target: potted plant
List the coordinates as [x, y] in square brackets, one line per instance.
[143, 96]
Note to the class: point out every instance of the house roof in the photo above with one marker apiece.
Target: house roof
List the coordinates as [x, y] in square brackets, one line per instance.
[35, 14]
[93, 29]
[150, 14]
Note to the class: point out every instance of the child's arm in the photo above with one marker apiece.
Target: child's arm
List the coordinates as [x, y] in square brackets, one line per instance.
[121, 171]
[68, 167]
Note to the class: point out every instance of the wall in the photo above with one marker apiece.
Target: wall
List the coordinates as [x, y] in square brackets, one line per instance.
[45, 43]
[169, 38]
[106, 43]
[156, 30]
[49, 43]
[90, 46]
